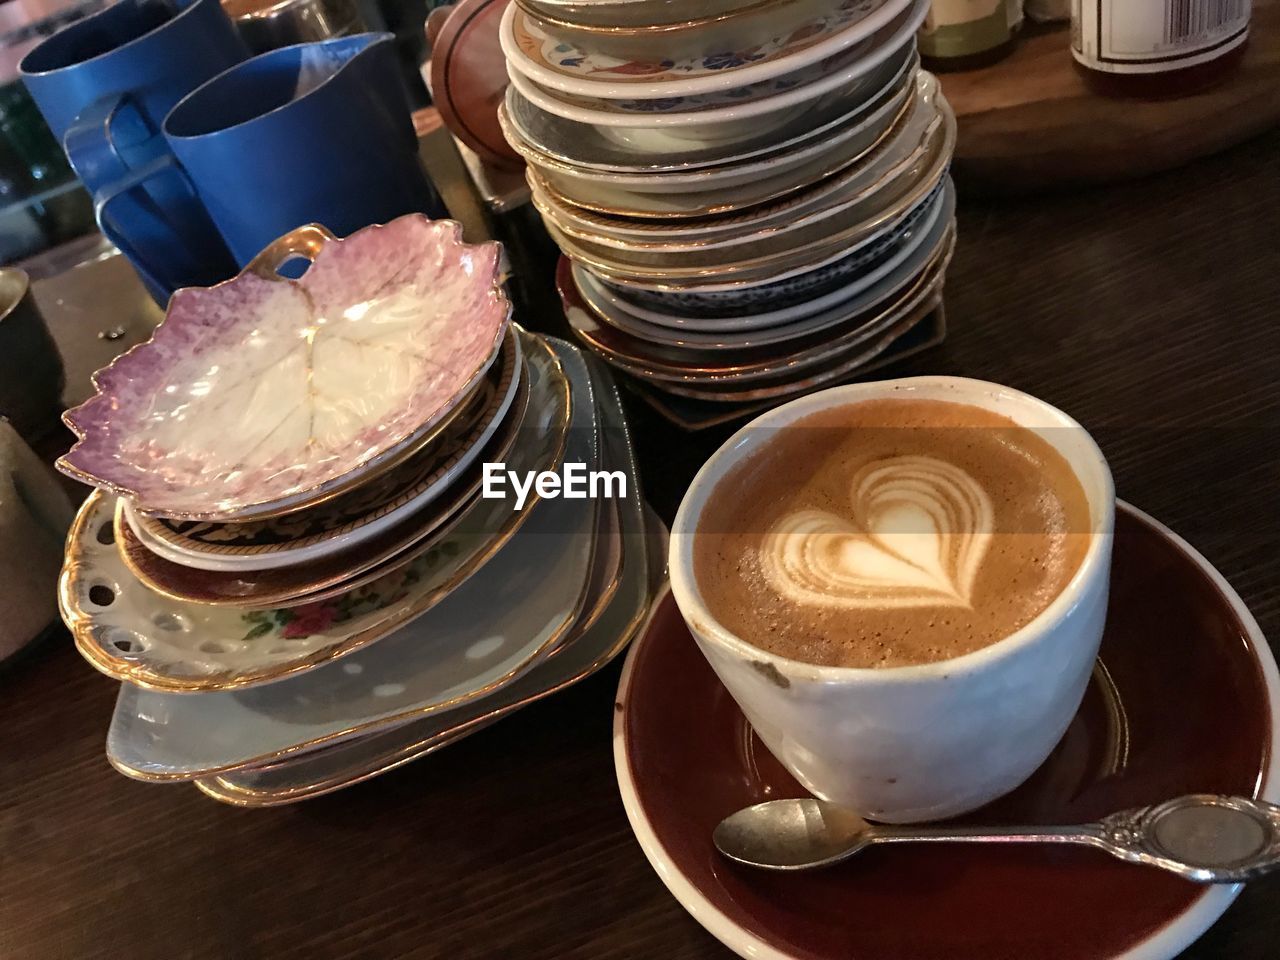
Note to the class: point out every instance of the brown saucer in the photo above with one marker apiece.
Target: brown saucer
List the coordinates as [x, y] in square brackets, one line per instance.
[469, 78]
[1185, 699]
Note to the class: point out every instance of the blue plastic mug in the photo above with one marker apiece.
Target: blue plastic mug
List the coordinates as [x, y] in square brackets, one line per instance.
[313, 133]
[105, 85]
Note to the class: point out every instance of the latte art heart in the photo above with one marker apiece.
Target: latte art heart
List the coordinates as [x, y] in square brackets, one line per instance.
[916, 536]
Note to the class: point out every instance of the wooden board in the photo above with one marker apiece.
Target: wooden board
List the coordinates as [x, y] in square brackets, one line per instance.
[1029, 123]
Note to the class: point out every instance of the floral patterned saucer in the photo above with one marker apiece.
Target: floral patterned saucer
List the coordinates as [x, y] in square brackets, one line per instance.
[351, 517]
[336, 573]
[135, 634]
[488, 632]
[562, 66]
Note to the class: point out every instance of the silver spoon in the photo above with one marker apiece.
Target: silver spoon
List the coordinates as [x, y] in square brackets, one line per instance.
[1203, 837]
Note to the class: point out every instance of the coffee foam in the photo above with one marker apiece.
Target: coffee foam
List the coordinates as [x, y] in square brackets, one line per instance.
[890, 532]
[916, 534]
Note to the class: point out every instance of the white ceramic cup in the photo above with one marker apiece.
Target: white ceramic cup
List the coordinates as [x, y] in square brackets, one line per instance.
[904, 744]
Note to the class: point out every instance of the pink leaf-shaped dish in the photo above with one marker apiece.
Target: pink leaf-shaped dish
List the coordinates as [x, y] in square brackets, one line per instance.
[263, 394]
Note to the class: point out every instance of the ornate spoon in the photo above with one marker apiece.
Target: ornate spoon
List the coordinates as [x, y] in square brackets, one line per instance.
[1206, 838]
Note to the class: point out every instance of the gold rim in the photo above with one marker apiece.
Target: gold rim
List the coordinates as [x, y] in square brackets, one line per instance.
[654, 589]
[932, 271]
[505, 395]
[375, 466]
[570, 617]
[676, 279]
[79, 622]
[657, 31]
[696, 244]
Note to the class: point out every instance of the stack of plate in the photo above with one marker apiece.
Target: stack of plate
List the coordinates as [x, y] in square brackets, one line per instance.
[739, 226]
[290, 544]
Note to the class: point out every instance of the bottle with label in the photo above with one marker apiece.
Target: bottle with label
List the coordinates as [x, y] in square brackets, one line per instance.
[964, 34]
[1158, 48]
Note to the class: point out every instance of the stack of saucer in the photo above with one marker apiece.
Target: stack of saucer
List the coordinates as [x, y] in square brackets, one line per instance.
[290, 544]
[738, 227]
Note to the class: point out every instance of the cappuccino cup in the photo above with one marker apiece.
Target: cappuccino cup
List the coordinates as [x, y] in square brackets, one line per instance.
[903, 585]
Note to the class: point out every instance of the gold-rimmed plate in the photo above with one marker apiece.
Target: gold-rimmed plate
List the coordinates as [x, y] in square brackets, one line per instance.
[133, 634]
[864, 128]
[263, 394]
[693, 414]
[835, 367]
[336, 573]
[355, 516]
[775, 250]
[779, 251]
[594, 642]
[813, 202]
[900, 256]
[484, 635]
[581, 146]
[763, 365]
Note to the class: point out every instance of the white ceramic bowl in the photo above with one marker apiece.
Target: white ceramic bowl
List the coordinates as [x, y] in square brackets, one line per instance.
[660, 130]
[924, 742]
[581, 146]
[548, 56]
[842, 145]
[635, 12]
[740, 28]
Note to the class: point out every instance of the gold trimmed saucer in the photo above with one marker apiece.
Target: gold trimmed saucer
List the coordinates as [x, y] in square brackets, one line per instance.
[133, 634]
[354, 516]
[484, 636]
[336, 573]
[680, 365]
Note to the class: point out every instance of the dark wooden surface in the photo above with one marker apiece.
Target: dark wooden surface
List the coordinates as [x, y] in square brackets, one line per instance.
[1147, 310]
[1031, 119]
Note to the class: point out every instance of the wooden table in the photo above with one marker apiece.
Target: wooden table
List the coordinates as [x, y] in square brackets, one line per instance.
[1146, 310]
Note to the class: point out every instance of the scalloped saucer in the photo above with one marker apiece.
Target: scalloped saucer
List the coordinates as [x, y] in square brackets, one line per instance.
[263, 394]
[358, 515]
[565, 67]
[135, 634]
[1180, 646]
[494, 628]
[602, 632]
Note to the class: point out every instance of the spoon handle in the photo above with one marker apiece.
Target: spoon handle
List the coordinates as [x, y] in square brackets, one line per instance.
[1203, 837]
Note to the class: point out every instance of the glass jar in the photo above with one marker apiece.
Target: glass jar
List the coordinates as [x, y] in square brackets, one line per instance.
[1158, 48]
[965, 34]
